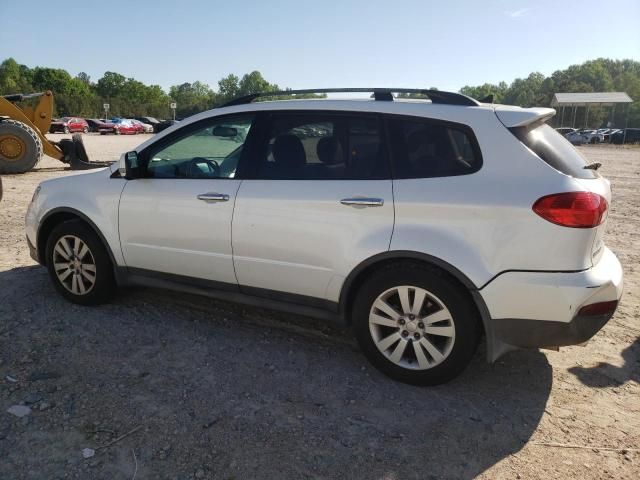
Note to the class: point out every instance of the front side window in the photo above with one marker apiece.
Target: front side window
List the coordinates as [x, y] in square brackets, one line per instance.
[212, 151]
[322, 146]
[425, 149]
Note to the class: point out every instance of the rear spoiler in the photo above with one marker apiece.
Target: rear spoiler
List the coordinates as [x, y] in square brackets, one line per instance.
[513, 117]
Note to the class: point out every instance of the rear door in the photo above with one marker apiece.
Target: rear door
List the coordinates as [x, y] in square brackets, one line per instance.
[177, 220]
[316, 202]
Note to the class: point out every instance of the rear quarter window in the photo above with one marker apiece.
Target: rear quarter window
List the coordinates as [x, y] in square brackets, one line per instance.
[555, 150]
[428, 148]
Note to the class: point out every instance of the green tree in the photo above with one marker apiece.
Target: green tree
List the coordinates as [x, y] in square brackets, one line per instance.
[192, 98]
[228, 88]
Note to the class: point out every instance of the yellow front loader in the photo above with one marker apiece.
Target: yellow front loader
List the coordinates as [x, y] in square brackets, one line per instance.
[22, 136]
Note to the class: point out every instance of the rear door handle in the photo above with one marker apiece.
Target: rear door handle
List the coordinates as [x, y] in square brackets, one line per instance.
[213, 197]
[363, 201]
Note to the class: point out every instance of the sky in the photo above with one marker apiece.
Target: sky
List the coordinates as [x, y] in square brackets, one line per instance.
[299, 44]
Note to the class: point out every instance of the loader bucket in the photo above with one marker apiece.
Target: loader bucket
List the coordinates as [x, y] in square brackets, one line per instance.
[76, 155]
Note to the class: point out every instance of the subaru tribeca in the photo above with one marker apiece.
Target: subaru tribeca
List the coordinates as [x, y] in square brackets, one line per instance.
[426, 224]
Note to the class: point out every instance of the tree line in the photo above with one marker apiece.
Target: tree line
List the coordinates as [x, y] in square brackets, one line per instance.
[600, 75]
[129, 97]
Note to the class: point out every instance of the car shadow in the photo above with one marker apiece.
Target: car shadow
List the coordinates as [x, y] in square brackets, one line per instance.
[251, 393]
[606, 375]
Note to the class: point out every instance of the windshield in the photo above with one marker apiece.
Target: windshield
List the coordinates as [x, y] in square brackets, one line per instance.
[555, 150]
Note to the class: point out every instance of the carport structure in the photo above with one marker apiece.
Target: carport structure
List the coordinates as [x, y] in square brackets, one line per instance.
[588, 100]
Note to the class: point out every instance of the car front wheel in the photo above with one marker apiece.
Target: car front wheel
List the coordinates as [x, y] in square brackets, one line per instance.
[416, 324]
[79, 264]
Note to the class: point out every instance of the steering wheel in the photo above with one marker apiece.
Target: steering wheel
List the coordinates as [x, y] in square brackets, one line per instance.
[212, 165]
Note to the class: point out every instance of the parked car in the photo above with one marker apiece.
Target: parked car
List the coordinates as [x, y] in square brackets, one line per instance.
[423, 225]
[95, 124]
[565, 130]
[119, 126]
[137, 125]
[149, 121]
[592, 136]
[69, 125]
[606, 134]
[164, 124]
[142, 127]
[576, 137]
[633, 136]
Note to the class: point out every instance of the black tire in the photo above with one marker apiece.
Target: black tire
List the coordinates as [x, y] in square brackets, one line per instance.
[464, 315]
[66, 130]
[32, 147]
[104, 287]
[85, 130]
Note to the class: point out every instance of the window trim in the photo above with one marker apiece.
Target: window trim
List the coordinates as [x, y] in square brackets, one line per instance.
[264, 122]
[393, 154]
[145, 154]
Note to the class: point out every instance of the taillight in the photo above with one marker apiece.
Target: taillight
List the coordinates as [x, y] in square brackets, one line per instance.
[572, 209]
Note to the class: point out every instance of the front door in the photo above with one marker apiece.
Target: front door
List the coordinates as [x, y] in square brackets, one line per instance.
[177, 220]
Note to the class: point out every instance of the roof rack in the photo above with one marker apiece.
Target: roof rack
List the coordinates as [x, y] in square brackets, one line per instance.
[379, 94]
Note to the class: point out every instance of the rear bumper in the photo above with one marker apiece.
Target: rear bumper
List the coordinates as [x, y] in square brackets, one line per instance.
[523, 333]
[541, 309]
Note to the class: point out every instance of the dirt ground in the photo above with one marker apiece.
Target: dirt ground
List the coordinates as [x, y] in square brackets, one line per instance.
[215, 390]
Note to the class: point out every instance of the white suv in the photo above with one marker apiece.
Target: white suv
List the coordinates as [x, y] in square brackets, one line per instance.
[425, 224]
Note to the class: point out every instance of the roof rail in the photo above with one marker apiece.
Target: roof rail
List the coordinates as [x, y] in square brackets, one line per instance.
[379, 94]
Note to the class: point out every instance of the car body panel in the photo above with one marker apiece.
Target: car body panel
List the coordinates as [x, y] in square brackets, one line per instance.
[283, 229]
[553, 296]
[97, 200]
[154, 216]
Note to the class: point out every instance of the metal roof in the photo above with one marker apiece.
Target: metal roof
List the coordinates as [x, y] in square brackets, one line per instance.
[584, 99]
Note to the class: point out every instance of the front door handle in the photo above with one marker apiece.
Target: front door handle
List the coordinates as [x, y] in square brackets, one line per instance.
[213, 197]
[363, 202]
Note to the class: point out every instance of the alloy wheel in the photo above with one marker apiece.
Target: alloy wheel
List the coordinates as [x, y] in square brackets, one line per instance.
[412, 327]
[74, 265]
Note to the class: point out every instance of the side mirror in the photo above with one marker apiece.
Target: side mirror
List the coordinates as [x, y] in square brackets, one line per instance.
[129, 166]
[223, 131]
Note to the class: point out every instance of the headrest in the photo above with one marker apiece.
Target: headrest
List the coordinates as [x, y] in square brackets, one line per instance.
[288, 151]
[329, 151]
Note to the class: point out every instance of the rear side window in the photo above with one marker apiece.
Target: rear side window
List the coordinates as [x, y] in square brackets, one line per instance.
[425, 149]
[555, 150]
[322, 146]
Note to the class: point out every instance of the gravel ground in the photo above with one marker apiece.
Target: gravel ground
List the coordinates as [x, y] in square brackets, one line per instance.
[209, 389]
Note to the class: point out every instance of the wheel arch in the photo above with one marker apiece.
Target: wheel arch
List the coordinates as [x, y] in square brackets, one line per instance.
[59, 215]
[357, 276]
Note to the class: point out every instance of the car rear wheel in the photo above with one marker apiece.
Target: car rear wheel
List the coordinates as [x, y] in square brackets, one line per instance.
[85, 130]
[79, 264]
[416, 324]
[66, 130]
